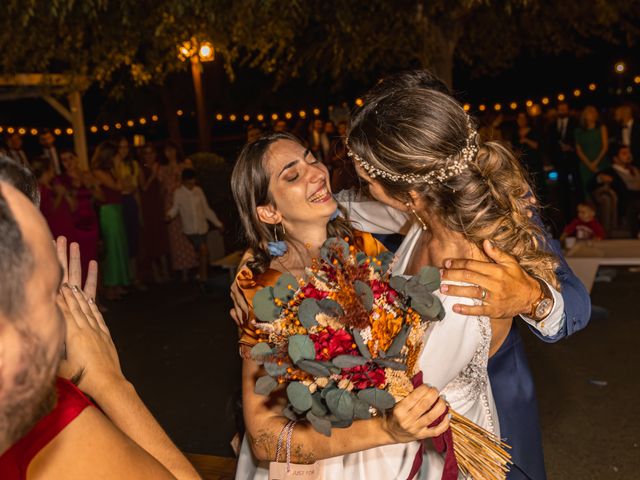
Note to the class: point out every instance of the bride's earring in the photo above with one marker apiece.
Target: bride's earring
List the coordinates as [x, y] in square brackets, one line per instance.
[279, 247]
[424, 225]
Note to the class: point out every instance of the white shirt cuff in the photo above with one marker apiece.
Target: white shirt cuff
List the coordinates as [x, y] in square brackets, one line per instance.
[553, 323]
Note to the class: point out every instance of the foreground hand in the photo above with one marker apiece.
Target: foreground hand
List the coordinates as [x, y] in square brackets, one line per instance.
[411, 417]
[90, 352]
[72, 268]
[510, 291]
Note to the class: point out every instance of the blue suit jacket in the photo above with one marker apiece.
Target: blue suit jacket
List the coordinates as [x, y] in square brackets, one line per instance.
[512, 382]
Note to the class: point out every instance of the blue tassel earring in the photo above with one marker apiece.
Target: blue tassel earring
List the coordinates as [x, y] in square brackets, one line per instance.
[334, 215]
[279, 247]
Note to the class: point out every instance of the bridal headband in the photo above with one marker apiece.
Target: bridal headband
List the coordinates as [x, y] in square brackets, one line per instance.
[455, 164]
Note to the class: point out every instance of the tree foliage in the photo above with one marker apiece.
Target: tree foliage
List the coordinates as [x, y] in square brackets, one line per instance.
[118, 41]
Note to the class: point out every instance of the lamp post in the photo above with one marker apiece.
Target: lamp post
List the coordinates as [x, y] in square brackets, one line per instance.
[197, 53]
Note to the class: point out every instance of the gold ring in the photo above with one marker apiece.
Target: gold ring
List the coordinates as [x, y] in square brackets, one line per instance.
[484, 294]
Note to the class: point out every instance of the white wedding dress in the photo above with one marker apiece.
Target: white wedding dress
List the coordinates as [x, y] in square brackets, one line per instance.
[454, 361]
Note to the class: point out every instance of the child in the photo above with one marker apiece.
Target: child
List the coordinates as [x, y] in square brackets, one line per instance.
[189, 201]
[586, 226]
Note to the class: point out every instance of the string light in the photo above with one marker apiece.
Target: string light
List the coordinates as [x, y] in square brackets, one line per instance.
[288, 115]
[274, 116]
[482, 108]
[93, 129]
[22, 131]
[577, 92]
[302, 114]
[232, 117]
[34, 131]
[513, 105]
[142, 121]
[529, 103]
[154, 118]
[179, 113]
[105, 128]
[592, 87]
[561, 97]
[57, 131]
[545, 100]
[466, 107]
[497, 107]
[316, 111]
[69, 131]
[246, 118]
[1, 129]
[359, 102]
[10, 130]
[260, 117]
[130, 123]
[118, 126]
[636, 79]
[219, 117]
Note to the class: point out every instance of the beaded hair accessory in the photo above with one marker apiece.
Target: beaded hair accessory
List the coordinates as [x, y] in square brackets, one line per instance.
[453, 167]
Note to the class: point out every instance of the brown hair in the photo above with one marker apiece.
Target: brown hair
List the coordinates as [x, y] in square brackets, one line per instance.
[250, 187]
[419, 130]
[102, 158]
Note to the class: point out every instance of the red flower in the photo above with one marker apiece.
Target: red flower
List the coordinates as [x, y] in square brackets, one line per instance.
[362, 377]
[312, 292]
[330, 343]
[382, 288]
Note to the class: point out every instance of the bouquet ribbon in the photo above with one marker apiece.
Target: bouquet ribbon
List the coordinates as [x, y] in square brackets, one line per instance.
[443, 443]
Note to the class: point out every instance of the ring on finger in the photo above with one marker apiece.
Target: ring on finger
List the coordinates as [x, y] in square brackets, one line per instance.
[483, 295]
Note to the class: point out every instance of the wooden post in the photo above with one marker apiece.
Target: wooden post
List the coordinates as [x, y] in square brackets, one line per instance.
[79, 132]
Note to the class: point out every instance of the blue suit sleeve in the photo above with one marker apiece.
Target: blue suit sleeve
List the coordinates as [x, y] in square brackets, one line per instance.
[577, 303]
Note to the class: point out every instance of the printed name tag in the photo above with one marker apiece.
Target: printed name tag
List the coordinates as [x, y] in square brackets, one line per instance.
[278, 471]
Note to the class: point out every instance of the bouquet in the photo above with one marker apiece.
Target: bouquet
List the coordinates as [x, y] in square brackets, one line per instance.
[346, 343]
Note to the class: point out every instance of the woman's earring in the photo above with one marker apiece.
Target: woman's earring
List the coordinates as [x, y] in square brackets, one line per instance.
[424, 225]
[279, 247]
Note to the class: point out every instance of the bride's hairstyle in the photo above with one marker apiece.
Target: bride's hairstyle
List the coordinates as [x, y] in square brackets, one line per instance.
[250, 187]
[422, 140]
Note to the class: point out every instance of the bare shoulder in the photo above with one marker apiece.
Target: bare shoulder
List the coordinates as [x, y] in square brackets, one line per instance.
[92, 447]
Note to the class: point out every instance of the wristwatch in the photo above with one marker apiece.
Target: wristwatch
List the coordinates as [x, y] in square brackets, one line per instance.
[542, 307]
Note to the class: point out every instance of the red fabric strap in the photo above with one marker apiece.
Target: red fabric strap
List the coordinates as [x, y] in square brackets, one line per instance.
[71, 402]
[443, 443]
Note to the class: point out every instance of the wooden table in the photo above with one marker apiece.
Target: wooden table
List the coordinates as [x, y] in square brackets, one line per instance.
[213, 468]
[586, 257]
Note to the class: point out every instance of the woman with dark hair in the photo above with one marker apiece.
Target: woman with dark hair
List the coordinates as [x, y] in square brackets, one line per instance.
[287, 212]
[57, 203]
[115, 266]
[183, 256]
[128, 172]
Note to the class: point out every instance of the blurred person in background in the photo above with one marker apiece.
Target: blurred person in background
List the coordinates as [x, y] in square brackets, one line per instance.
[592, 143]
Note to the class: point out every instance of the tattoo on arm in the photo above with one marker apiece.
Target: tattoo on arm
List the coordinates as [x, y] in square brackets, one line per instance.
[267, 441]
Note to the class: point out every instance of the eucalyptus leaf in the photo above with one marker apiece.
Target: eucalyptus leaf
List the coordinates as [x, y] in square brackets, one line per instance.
[399, 341]
[334, 248]
[264, 306]
[276, 370]
[289, 413]
[265, 385]
[348, 361]
[365, 294]
[340, 403]
[433, 311]
[380, 399]
[314, 368]
[281, 289]
[386, 258]
[325, 391]
[429, 277]
[398, 283]
[317, 406]
[362, 346]
[307, 312]
[319, 423]
[299, 396]
[361, 410]
[260, 351]
[342, 423]
[386, 363]
[301, 348]
[361, 258]
[330, 307]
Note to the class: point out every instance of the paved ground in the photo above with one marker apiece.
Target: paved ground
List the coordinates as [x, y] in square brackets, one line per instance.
[179, 348]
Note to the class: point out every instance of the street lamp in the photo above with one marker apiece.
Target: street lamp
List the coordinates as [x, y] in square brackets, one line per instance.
[197, 53]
